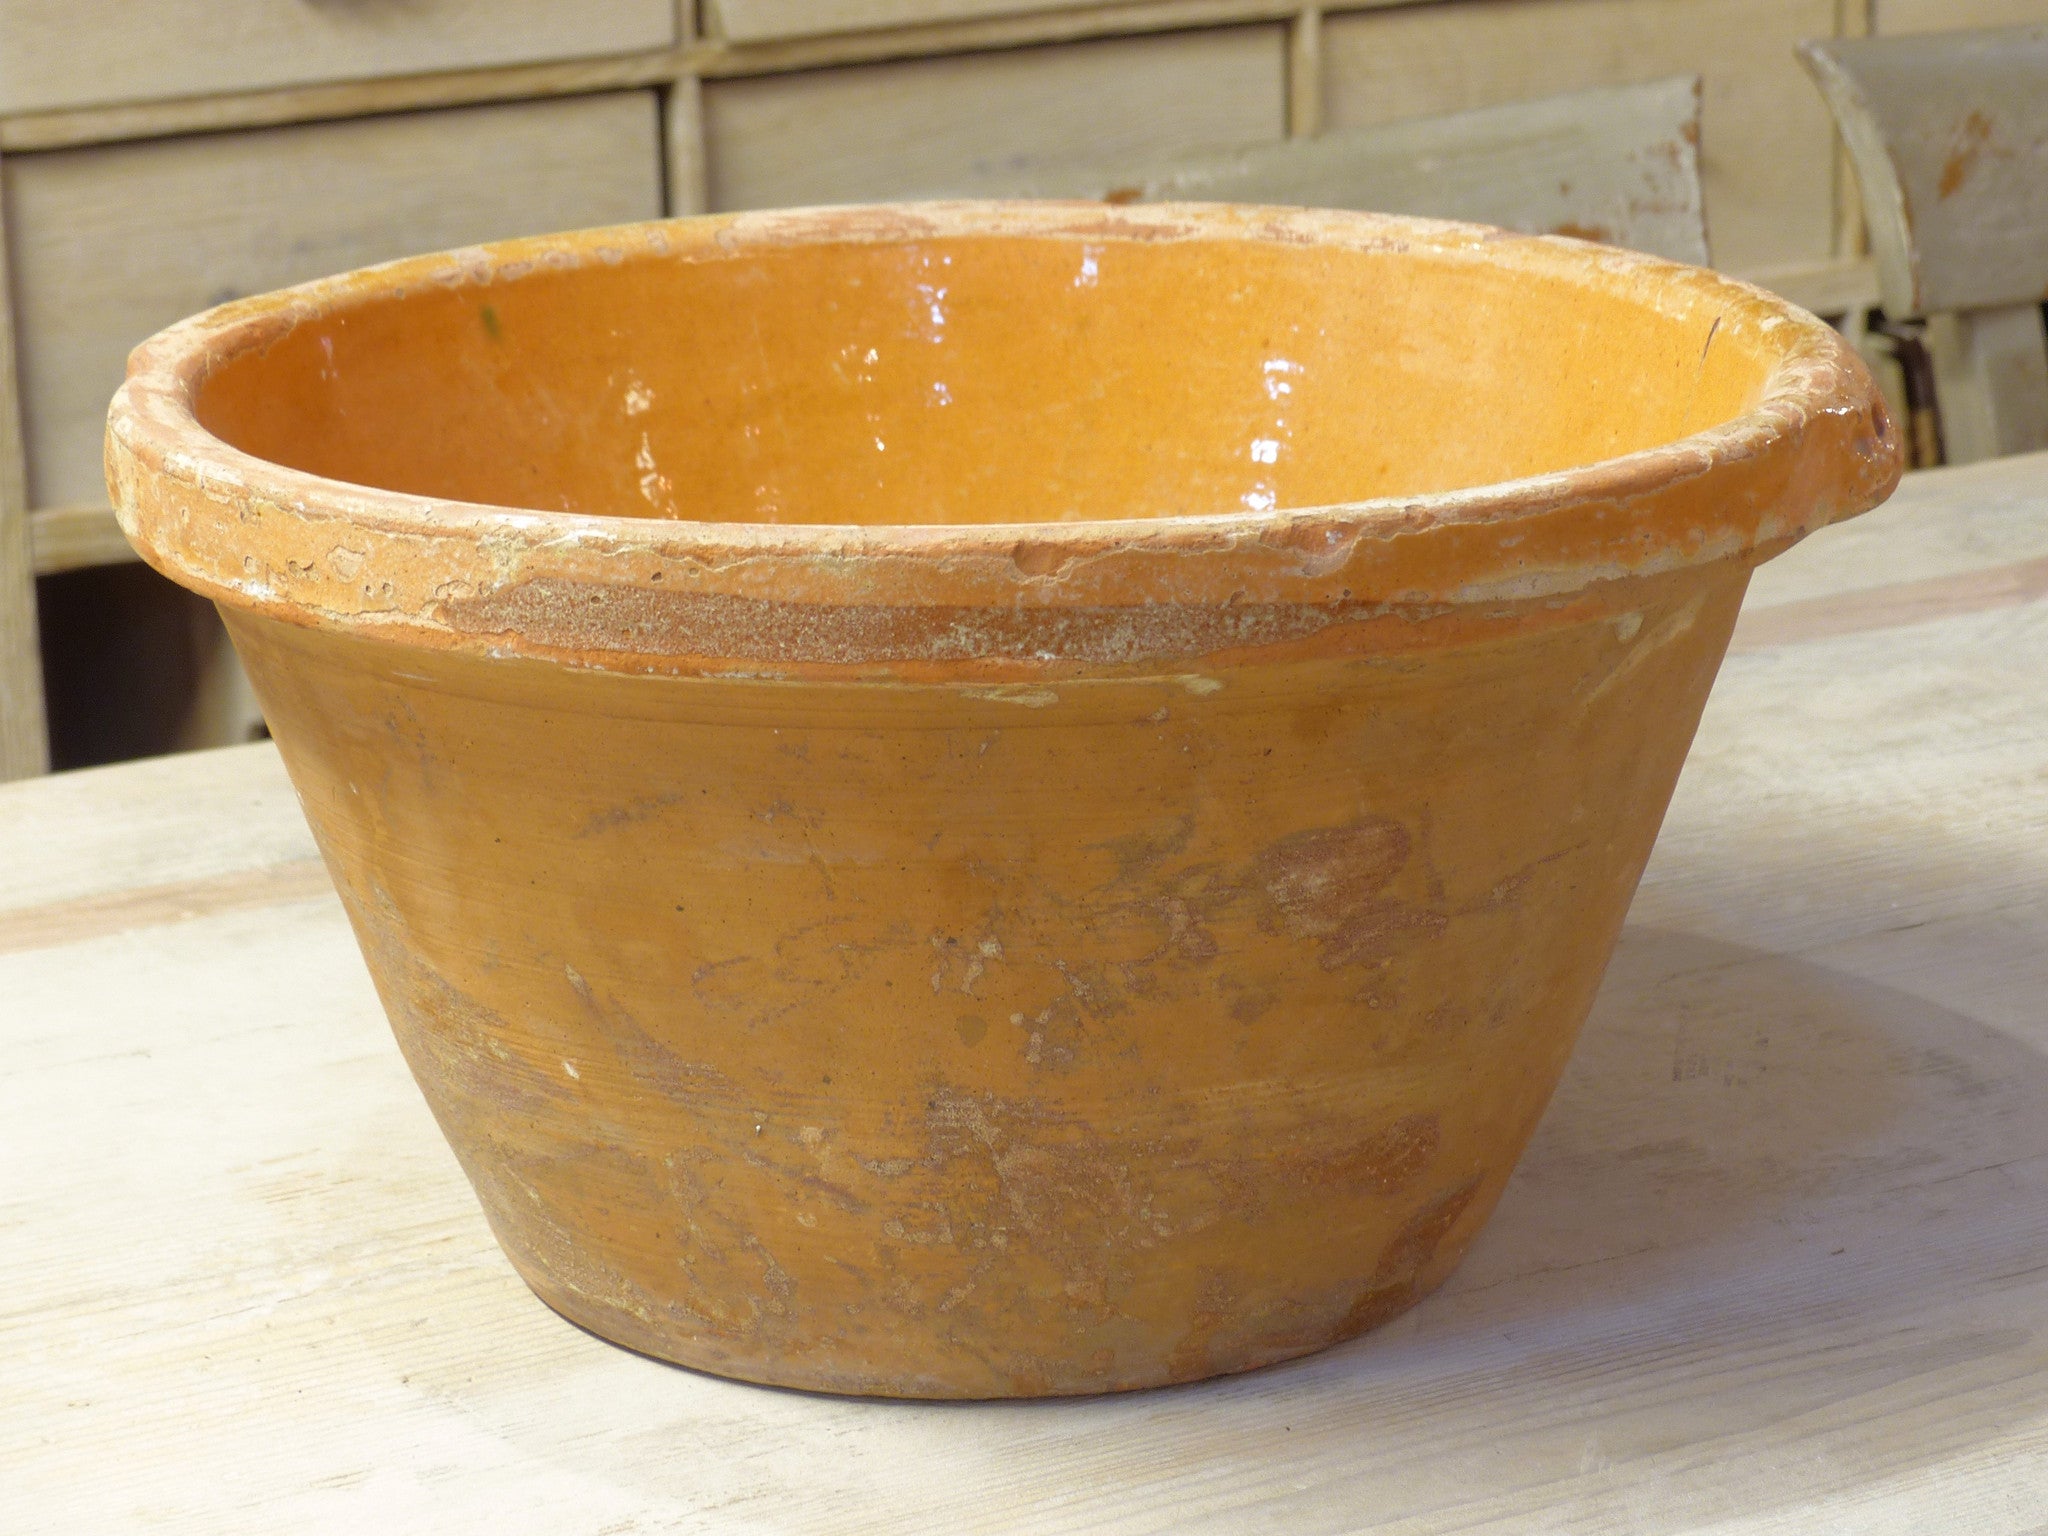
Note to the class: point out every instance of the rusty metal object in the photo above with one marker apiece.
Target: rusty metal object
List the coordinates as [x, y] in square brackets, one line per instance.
[1038, 799]
[1907, 340]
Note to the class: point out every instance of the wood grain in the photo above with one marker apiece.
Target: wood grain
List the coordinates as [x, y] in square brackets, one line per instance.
[210, 815]
[1892, 606]
[24, 735]
[1766, 151]
[1775, 1262]
[2003, 528]
[114, 243]
[922, 128]
[68, 922]
[79, 53]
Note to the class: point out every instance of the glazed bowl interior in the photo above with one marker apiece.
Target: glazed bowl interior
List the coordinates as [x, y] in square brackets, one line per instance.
[999, 378]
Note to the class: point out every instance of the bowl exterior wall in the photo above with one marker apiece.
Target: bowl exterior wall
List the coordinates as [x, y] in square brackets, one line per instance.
[919, 1039]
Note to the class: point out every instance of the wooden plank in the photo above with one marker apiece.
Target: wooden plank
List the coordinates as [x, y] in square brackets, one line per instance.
[24, 733]
[1105, 18]
[1949, 137]
[1995, 525]
[74, 538]
[90, 917]
[1766, 150]
[1898, 18]
[1860, 655]
[1884, 882]
[1892, 606]
[1852, 19]
[75, 128]
[1991, 377]
[114, 243]
[682, 125]
[80, 53]
[1614, 164]
[1775, 1262]
[103, 834]
[746, 21]
[1305, 74]
[922, 128]
[1833, 287]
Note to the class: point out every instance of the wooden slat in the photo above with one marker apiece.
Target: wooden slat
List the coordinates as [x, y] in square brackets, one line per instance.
[1852, 19]
[1991, 377]
[1113, 18]
[1766, 150]
[1614, 164]
[1949, 137]
[1892, 606]
[114, 243]
[207, 816]
[1305, 73]
[124, 123]
[91, 917]
[745, 21]
[1995, 510]
[1832, 287]
[80, 53]
[1896, 18]
[24, 735]
[682, 124]
[921, 128]
[74, 538]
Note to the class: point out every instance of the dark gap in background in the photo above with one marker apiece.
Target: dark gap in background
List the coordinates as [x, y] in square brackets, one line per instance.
[122, 652]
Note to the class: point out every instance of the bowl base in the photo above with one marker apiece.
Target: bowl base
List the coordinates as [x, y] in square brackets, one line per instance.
[983, 1381]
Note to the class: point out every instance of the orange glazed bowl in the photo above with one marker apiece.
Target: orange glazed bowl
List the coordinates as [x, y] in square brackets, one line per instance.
[984, 800]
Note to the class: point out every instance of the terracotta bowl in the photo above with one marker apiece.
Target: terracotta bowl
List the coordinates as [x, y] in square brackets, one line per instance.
[986, 800]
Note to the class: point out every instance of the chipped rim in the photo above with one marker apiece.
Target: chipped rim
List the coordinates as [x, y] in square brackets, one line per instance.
[641, 594]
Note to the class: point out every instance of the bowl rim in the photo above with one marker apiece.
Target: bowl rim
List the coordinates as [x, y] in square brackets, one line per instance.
[256, 535]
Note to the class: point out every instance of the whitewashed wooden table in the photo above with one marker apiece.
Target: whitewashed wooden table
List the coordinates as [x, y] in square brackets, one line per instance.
[1777, 1260]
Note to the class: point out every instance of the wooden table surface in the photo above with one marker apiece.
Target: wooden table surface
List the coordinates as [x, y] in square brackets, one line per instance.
[1776, 1261]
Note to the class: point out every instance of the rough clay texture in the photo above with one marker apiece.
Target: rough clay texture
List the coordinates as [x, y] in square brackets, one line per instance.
[1009, 959]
